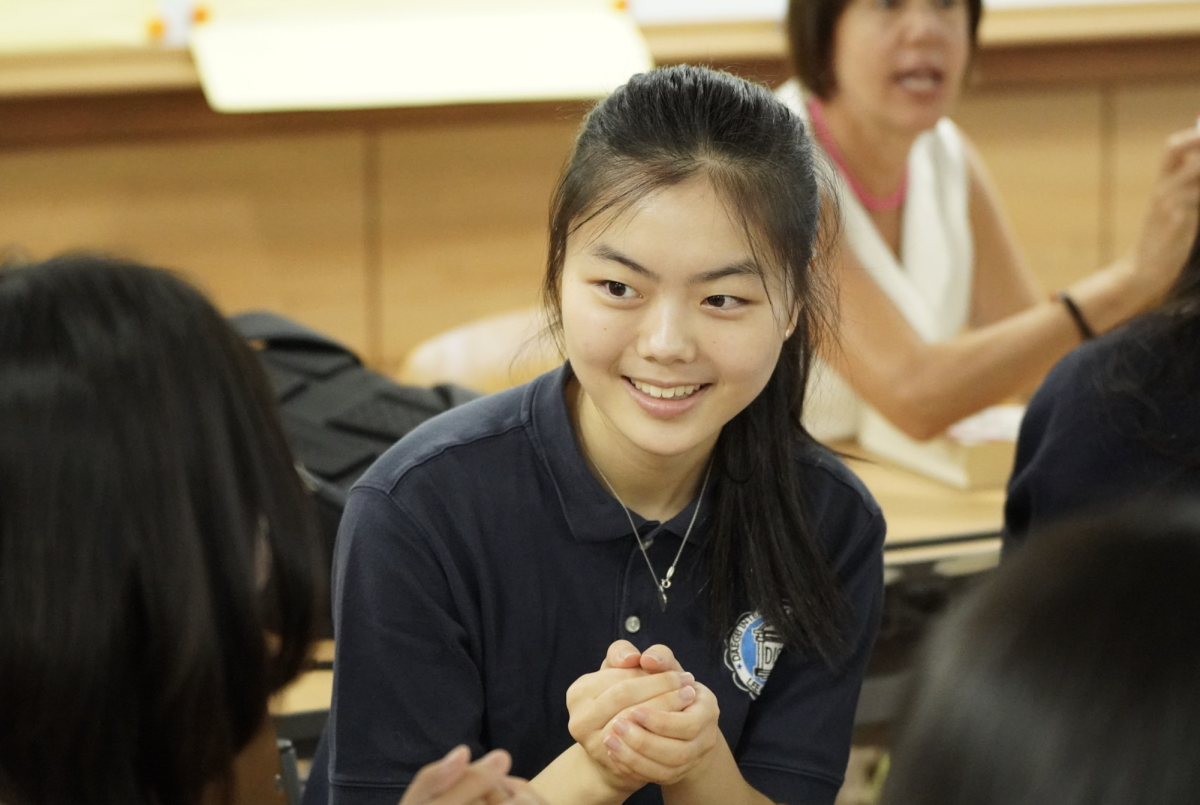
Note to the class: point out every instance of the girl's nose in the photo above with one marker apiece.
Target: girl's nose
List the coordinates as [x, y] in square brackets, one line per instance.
[666, 335]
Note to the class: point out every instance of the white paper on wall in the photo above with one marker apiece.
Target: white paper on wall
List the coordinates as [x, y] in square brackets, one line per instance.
[30, 25]
[421, 56]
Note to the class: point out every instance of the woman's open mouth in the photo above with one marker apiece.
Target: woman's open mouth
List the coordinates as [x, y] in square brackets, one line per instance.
[922, 80]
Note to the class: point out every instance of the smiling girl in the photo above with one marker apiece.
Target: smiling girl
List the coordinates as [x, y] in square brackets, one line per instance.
[939, 315]
[638, 573]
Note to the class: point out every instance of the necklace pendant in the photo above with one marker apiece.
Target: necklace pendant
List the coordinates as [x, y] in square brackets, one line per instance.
[662, 599]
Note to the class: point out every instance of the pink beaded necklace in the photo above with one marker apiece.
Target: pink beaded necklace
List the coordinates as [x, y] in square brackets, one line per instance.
[871, 202]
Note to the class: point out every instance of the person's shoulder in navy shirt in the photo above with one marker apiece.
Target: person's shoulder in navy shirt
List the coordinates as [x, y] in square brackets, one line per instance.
[1117, 418]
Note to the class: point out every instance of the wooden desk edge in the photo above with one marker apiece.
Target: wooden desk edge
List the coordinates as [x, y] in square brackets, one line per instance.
[970, 548]
[311, 692]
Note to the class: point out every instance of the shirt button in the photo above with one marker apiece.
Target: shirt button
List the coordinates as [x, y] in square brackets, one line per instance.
[633, 624]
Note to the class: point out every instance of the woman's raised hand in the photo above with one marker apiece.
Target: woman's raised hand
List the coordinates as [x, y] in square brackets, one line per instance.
[1171, 222]
[637, 722]
[454, 780]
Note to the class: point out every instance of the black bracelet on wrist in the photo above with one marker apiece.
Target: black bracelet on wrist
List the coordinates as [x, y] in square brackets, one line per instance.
[1085, 329]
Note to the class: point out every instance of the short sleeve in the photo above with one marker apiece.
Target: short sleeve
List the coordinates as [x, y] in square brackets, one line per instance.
[403, 646]
[796, 740]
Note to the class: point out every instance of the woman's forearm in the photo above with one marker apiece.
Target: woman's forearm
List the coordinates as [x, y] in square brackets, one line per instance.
[923, 388]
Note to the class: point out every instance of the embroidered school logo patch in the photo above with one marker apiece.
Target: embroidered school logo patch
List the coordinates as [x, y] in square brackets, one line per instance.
[751, 654]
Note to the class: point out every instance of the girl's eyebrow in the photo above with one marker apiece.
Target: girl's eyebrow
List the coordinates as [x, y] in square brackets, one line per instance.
[747, 267]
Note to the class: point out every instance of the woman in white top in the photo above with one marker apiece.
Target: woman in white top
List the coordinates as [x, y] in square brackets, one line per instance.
[939, 316]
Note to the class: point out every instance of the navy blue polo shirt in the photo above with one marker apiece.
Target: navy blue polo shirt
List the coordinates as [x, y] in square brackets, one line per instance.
[481, 569]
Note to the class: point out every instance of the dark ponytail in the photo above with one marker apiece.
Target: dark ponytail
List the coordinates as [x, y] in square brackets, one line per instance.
[659, 130]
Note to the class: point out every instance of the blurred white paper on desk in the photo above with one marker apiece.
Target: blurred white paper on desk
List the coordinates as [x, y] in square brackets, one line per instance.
[32, 25]
[974, 453]
[416, 54]
[999, 423]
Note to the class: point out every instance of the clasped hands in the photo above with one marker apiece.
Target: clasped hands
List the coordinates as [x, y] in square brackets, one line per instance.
[641, 718]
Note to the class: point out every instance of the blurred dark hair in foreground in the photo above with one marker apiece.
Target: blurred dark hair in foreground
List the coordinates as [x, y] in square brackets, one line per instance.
[153, 530]
[1070, 677]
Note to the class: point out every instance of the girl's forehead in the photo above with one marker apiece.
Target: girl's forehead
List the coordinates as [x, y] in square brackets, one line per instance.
[687, 220]
[664, 212]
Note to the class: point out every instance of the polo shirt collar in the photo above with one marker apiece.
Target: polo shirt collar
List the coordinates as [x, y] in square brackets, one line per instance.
[592, 512]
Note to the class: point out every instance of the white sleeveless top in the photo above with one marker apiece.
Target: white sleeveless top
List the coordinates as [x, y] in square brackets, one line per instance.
[930, 285]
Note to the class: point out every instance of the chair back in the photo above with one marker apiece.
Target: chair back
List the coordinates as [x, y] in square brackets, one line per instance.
[487, 355]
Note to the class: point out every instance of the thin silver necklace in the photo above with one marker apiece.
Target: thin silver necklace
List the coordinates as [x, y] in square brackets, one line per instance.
[664, 583]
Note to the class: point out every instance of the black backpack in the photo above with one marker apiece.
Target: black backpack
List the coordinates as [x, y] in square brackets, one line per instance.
[338, 415]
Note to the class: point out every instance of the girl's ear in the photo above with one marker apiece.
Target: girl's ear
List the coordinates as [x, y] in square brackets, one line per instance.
[791, 328]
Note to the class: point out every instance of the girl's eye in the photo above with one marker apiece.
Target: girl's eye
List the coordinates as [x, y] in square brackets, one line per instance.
[723, 301]
[618, 290]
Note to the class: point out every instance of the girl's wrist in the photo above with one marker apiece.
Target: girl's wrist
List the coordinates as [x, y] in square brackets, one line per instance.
[574, 778]
[715, 779]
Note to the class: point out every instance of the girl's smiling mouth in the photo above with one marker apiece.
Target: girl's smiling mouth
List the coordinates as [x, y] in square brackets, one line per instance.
[666, 392]
[666, 401]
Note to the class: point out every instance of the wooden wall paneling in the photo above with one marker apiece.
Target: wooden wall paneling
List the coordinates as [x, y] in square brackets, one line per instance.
[1088, 62]
[260, 222]
[1044, 150]
[464, 222]
[1145, 116]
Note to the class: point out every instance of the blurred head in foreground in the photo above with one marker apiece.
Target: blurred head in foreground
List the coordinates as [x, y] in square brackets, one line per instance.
[1069, 677]
[158, 564]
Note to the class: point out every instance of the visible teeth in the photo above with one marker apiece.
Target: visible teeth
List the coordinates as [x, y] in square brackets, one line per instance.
[673, 393]
[919, 83]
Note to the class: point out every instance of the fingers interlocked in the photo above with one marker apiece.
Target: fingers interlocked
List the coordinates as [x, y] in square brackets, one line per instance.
[660, 746]
[642, 717]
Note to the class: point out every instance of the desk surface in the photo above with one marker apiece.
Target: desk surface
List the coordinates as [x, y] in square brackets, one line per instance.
[311, 692]
[919, 509]
[930, 523]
